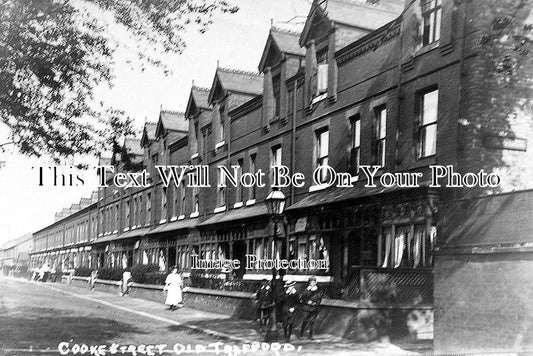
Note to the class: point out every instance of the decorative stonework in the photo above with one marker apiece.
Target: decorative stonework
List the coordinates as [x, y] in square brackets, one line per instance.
[369, 45]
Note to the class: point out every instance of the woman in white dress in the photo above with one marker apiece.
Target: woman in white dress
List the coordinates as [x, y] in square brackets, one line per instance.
[173, 285]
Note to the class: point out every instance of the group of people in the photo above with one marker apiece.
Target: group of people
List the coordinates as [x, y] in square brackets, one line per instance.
[286, 301]
[45, 273]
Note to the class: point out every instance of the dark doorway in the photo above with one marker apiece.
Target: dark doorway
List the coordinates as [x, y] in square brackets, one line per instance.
[172, 257]
[239, 252]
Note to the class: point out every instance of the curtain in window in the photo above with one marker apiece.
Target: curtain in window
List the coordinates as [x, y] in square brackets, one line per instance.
[322, 78]
[388, 244]
[399, 246]
[417, 247]
[162, 264]
[145, 258]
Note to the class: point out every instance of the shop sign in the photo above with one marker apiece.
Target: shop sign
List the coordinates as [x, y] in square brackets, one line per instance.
[300, 225]
[505, 143]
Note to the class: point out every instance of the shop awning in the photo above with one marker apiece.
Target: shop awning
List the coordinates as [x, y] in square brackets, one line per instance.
[237, 214]
[335, 194]
[175, 225]
[123, 236]
[494, 220]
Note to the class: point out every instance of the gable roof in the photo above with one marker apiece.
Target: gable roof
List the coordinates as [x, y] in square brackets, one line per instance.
[353, 13]
[148, 133]
[198, 98]
[171, 121]
[237, 81]
[283, 41]
[133, 146]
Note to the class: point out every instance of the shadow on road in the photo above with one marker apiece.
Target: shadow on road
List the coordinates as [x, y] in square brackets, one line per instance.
[45, 327]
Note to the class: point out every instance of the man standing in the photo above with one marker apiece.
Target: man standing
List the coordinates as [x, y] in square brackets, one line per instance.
[264, 303]
[311, 299]
[289, 301]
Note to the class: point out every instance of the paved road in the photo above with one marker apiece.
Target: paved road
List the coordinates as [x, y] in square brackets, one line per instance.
[34, 316]
[43, 318]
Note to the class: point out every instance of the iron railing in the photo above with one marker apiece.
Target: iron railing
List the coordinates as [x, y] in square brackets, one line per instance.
[389, 285]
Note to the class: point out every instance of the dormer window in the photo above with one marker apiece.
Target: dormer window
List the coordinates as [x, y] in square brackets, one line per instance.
[322, 73]
[276, 83]
[431, 13]
[222, 134]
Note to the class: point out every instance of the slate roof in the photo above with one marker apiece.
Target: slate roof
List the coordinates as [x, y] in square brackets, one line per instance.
[240, 81]
[355, 13]
[150, 128]
[201, 96]
[173, 120]
[287, 41]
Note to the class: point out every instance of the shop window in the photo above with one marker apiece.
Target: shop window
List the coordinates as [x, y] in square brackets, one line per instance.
[355, 149]
[380, 127]
[322, 153]
[427, 123]
[410, 247]
[431, 14]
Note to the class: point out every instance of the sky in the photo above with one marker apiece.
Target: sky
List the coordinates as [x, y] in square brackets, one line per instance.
[234, 40]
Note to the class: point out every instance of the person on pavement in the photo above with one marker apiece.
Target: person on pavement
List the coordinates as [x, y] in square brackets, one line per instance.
[264, 298]
[126, 276]
[173, 287]
[289, 302]
[311, 298]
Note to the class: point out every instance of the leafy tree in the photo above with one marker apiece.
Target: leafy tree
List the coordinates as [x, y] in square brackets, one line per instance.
[54, 53]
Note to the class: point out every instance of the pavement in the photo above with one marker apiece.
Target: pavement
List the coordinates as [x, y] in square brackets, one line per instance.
[225, 328]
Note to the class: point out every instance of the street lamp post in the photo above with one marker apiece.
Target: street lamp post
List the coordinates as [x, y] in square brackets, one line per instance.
[275, 202]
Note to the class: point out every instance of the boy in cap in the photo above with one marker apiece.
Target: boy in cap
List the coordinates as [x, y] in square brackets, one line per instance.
[311, 298]
[264, 303]
[289, 300]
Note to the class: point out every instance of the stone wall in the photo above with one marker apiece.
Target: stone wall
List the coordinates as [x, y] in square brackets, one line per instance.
[361, 321]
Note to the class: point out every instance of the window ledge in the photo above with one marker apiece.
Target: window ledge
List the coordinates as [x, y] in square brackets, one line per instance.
[174, 218]
[318, 187]
[114, 232]
[354, 179]
[250, 202]
[220, 144]
[237, 205]
[147, 224]
[162, 221]
[194, 215]
[319, 98]
[181, 217]
[220, 209]
[426, 48]
[194, 155]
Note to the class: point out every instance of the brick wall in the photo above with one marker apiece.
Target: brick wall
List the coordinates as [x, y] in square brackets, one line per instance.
[483, 303]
